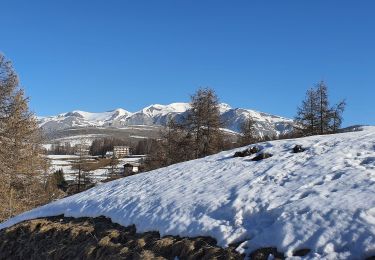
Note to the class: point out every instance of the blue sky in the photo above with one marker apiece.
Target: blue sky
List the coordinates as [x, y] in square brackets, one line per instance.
[100, 55]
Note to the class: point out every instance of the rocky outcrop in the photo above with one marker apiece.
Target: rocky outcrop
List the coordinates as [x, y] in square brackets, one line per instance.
[261, 156]
[298, 149]
[247, 152]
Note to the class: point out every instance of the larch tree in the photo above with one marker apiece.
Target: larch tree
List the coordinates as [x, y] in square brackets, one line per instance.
[21, 154]
[324, 111]
[307, 119]
[315, 116]
[248, 131]
[204, 123]
[337, 116]
[178, 142]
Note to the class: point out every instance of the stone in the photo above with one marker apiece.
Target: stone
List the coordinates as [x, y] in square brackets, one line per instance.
[261, 156]
[298, 149]
[247, 152]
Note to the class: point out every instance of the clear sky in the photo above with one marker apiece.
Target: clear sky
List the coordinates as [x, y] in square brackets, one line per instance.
[100, 55]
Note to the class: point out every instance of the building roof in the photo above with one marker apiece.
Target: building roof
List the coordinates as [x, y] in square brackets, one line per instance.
[131, 164]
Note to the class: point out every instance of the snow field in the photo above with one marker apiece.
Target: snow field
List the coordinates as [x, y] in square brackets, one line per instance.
[322, 199]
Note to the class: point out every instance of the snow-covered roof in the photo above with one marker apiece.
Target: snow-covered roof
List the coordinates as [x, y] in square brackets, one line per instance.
[131, 164]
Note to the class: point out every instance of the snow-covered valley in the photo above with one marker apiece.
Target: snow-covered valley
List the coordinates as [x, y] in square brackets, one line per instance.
[66, 163]
[322, 199]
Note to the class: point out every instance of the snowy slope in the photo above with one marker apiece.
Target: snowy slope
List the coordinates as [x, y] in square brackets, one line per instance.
[322, 199]
[159, 114]
[79, 118]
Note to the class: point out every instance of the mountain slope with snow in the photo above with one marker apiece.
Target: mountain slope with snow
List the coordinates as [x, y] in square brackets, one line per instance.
[158, 115]
[322, 199]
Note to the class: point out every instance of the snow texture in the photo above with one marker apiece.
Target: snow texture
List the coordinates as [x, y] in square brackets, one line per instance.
[322, 199]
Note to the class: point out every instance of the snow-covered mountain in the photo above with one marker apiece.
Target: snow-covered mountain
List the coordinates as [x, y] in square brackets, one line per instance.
[159, 114]
[320, 200]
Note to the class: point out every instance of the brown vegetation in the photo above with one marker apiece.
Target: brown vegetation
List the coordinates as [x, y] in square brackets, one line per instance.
[197, 135]
[24, 183]
[98, 238]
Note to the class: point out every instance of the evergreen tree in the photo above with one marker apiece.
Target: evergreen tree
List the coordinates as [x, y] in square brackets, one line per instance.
[58, 179]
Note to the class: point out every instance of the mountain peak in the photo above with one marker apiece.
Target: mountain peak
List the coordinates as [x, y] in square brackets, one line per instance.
[157, 114]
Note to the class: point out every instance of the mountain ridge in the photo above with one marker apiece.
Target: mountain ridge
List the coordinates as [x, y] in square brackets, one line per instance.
[158, 114]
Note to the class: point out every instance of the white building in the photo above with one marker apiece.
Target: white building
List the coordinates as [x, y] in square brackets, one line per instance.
[121, 151]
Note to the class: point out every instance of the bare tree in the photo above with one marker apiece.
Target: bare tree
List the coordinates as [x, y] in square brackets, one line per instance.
[306, 119]
[315, 116]
[21, 154]
[248, 132]
[204, 123]
[336, 116]
[178, 143]
[82, 166]
[324, 111]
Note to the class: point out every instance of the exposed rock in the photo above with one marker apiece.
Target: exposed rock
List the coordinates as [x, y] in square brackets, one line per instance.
[247, 152]
[261, 156]
[264, 253]
[298, 149]
[301, 252]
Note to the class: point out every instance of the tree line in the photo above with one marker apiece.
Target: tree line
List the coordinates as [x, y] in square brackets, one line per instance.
[315, 116]
[100, 146]
[200, 133]
[103, 145]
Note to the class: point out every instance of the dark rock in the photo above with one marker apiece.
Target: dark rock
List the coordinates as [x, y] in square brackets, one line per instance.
[254, 149]
[298, 149]
[301, 252]
[264, 253]
[247, 152]
[261, 156]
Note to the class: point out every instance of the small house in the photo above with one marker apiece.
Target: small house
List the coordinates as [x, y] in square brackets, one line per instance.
[108, 154]
[131, 168]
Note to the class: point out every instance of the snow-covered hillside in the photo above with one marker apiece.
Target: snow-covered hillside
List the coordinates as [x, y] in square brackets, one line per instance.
[321, 199]
[159, 114]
